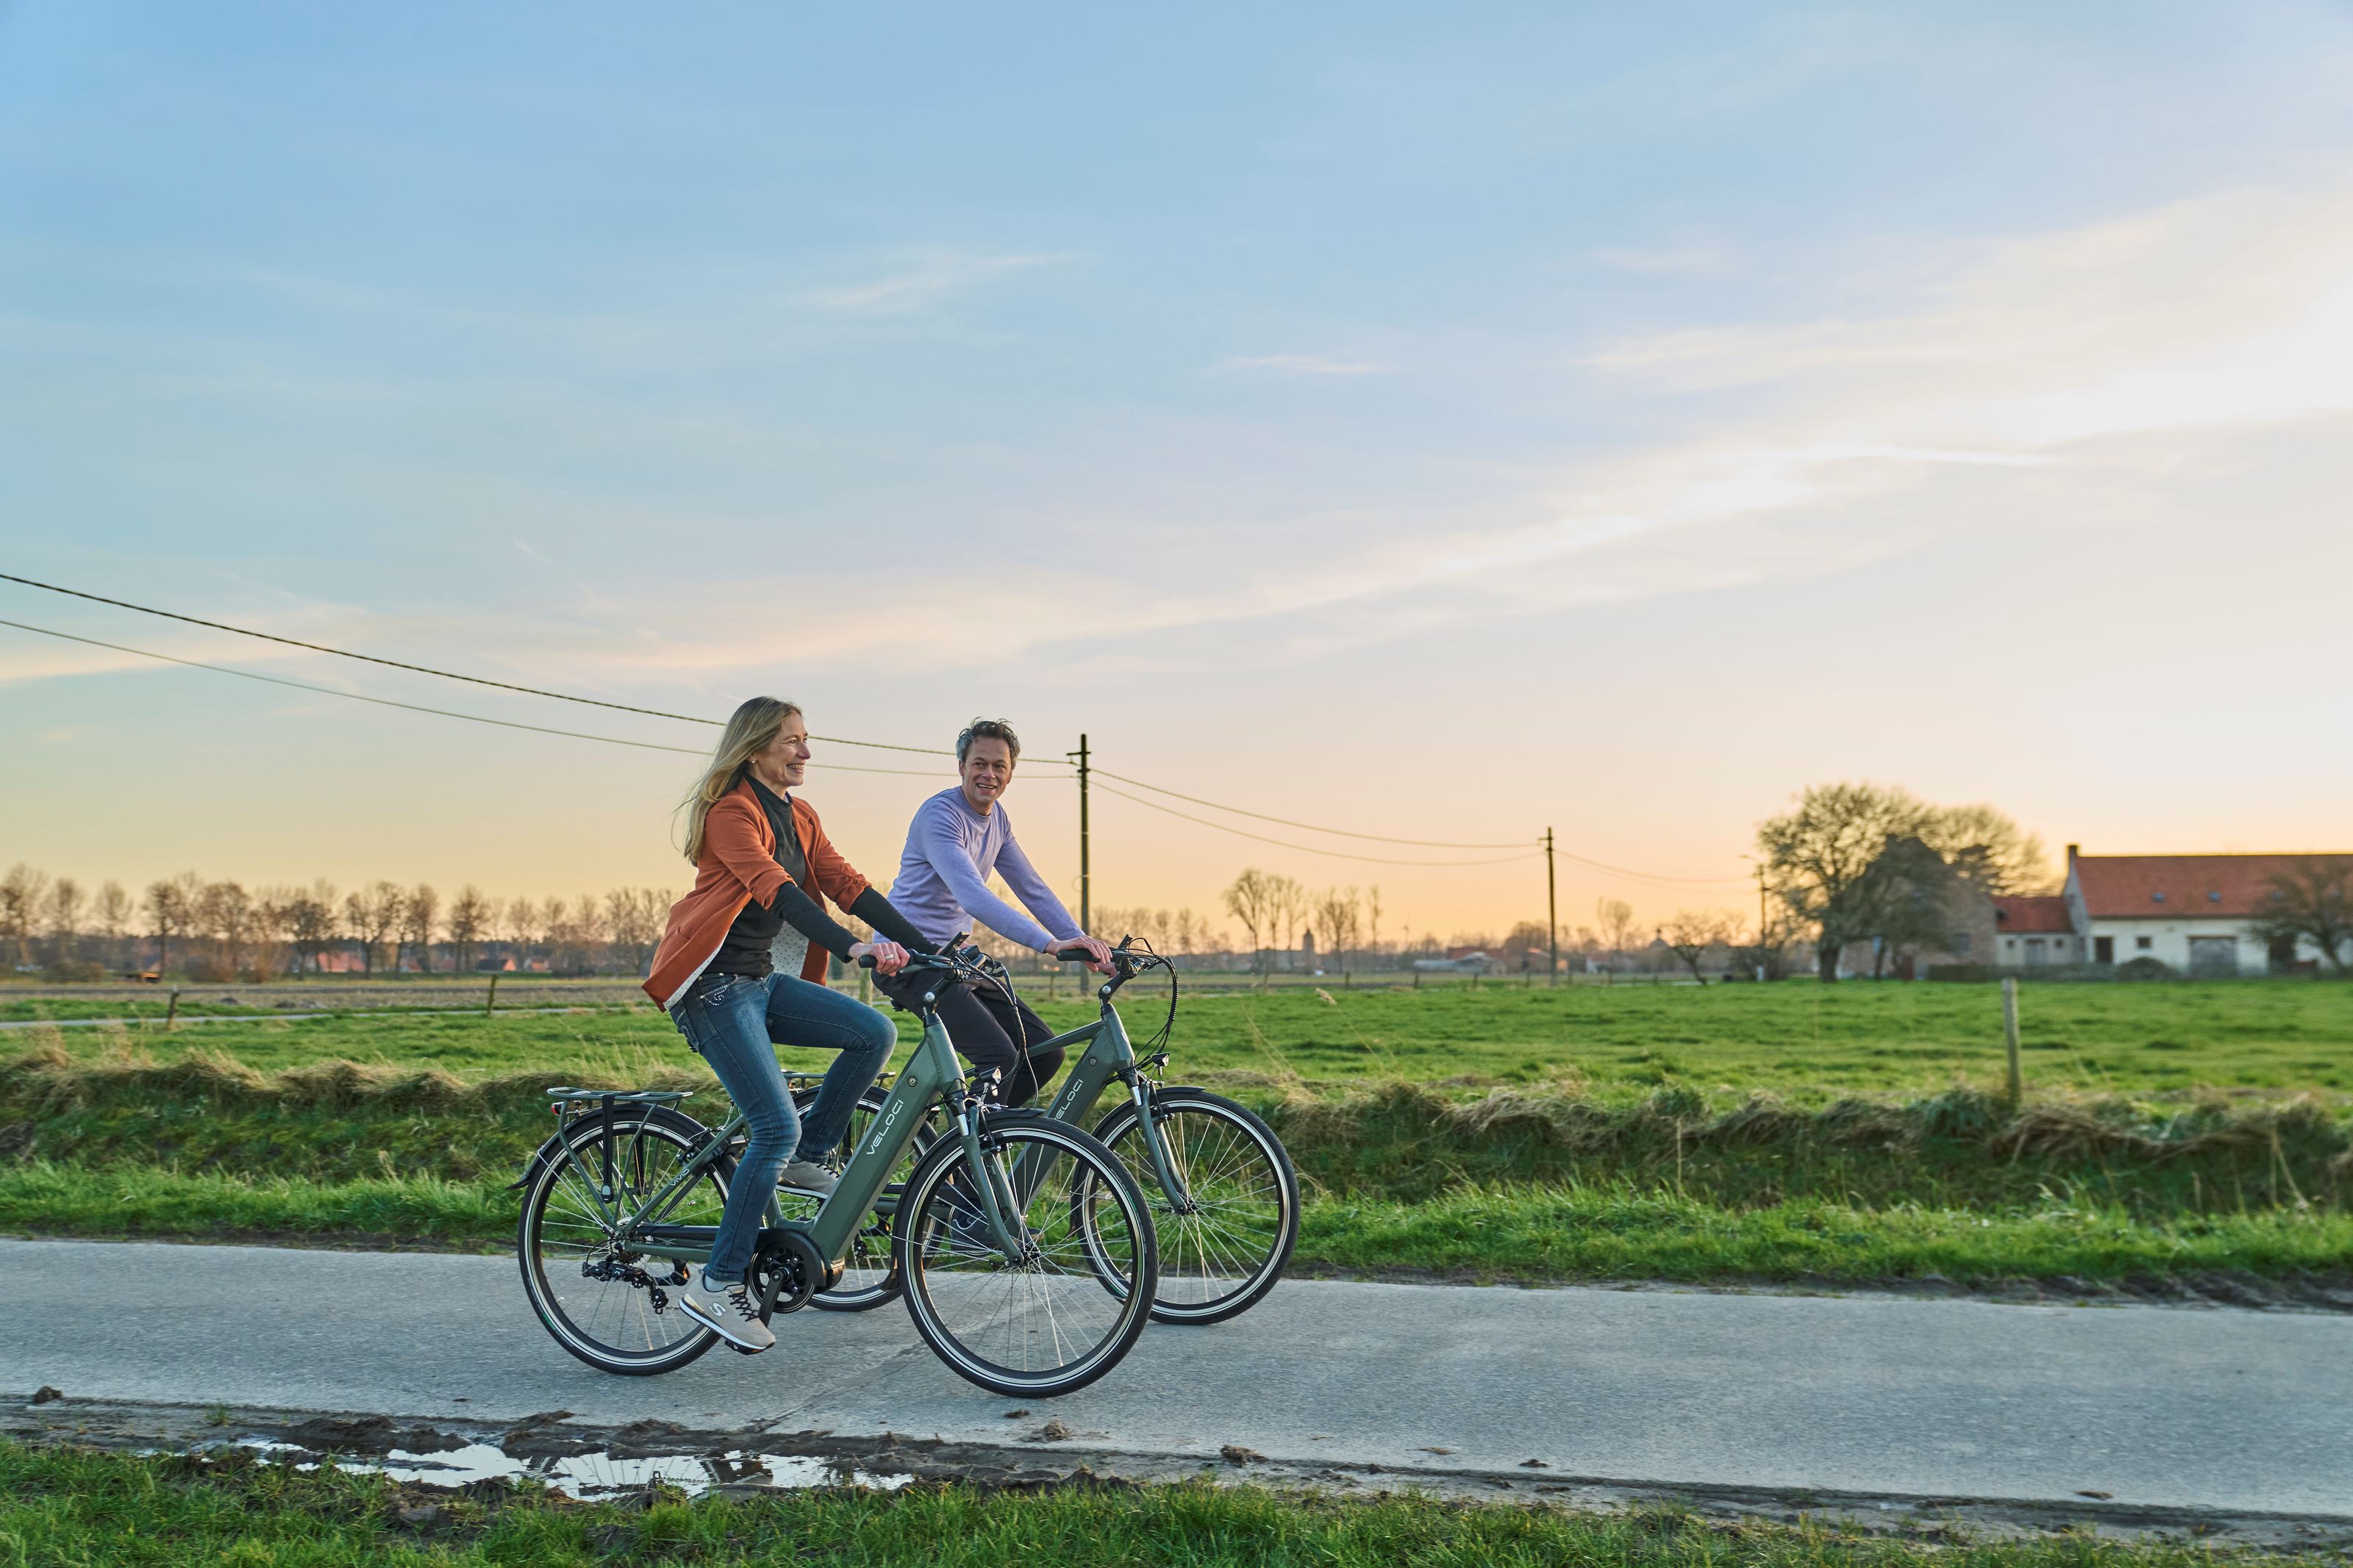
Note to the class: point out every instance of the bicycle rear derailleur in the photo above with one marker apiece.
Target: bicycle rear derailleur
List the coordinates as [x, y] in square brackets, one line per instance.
[612, 1270]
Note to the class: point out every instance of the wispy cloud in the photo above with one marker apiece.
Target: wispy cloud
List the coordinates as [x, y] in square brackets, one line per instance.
[1298, 364]
[924, 283]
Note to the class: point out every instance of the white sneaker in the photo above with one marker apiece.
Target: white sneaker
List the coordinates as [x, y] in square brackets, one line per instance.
[807, 1176]
[730, 1312]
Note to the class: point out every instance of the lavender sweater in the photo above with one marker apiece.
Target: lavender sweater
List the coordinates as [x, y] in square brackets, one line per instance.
[943, 884]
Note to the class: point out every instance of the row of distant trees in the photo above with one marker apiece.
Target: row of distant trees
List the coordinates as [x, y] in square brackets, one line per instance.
[223, 930]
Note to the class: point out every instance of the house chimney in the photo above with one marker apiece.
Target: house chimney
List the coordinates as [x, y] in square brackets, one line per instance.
[2073, 850]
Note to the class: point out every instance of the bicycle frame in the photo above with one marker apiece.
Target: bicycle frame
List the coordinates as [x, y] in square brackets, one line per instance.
[1109, 1054]
[931, 1075]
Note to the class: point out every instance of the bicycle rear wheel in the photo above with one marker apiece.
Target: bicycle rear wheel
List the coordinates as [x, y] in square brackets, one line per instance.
[605, 1304]
[869, 1275]
[1224, 1250]
[1046, 1324]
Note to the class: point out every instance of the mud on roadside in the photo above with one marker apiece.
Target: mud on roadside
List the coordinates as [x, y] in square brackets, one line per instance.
[482, 1456]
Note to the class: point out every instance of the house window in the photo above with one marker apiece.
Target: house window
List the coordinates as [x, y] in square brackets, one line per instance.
[1960, 945]
[2104, 949]
[2141, 942]
[2213, 898]
[2157, 898]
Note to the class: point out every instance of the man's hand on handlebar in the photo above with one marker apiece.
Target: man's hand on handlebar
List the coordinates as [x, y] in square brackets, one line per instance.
[884, 957]
[1095, 949]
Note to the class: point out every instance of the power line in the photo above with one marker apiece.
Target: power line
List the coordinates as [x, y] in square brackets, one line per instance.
[415, 707]
[1309, 848]
[1308, 826]
[427, 669]
[829, 739]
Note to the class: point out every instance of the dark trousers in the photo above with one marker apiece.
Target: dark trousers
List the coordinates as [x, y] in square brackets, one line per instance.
[984, 1026]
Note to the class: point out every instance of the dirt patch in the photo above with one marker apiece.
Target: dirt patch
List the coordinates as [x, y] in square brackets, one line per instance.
[740, 1462]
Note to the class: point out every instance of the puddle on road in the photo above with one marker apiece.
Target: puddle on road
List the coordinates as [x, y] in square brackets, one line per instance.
[592, 1475]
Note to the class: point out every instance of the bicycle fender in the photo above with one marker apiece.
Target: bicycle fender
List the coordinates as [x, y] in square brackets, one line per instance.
[542, 1155]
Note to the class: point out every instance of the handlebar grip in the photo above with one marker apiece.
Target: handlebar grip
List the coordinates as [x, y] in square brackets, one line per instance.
[865, 961]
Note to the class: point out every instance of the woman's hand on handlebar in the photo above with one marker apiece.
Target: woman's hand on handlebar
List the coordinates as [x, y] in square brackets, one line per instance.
[888, 957]
[1095, 949]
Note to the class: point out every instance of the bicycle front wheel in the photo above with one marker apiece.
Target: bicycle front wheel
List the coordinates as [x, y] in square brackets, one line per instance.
[1224, 1245]
[1046, 1323]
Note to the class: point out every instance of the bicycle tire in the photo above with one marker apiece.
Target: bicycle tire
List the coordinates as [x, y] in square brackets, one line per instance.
[1031, 1308]
[560, 1307]
[1218, 1263]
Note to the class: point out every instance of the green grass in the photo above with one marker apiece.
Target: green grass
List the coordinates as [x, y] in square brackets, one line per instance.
[1705, 1152]
[1806, 1042]
[75, 1506]
[1566, 1233]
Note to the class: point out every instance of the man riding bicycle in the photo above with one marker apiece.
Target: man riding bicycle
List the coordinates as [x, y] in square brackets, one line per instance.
[958, 838]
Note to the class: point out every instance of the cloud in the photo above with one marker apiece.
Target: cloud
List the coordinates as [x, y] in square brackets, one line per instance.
[1298, 364]
[923, 284]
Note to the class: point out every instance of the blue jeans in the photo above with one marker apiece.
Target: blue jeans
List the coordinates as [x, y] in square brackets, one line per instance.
[731, 1022]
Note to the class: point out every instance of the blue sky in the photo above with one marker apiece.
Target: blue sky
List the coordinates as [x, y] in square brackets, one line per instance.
[1409, 420]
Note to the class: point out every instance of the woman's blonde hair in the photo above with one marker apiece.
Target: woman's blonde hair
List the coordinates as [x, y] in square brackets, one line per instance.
[751, 729]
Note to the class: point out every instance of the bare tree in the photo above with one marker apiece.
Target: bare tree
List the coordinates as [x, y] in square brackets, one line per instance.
[113, 915]
[1290, 909]
[1252, 898]
[22, 891]
[1692, 932]
[171, 906]
[2313, 903]
[309, 918]
[519, 926]
[1823, 860]
[636, 917]
[67, 902]
[1613, 920]
[273, 927]
[1339, 911]
[374, 914]
[470, 915]
[1373, 922]
[224, 912]
[420, 917]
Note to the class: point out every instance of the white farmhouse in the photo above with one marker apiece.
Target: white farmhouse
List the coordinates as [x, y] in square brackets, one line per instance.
[2193, 914]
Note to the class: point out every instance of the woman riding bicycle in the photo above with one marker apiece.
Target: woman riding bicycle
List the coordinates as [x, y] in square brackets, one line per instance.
[958, 838]
[761, 860]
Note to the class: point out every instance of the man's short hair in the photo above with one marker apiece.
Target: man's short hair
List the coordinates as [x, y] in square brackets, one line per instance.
[987, 729]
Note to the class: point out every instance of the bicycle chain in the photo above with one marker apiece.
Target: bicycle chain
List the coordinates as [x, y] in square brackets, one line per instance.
[612, 1271]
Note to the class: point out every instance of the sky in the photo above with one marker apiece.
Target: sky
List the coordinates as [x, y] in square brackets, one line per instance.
[1430, 424]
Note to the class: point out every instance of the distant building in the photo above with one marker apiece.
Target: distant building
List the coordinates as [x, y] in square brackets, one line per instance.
[2033, 932]
[2193, 914]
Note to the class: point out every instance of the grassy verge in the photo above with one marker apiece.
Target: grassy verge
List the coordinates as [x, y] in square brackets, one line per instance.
[74, 1505]
[1529, 1234]
[1811, 1044]
[1396, 1141]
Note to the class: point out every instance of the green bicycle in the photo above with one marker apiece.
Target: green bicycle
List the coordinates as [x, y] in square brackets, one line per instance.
[1027, 1287]
[1223, 1195]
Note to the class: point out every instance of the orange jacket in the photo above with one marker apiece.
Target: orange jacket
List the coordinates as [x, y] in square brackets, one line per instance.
[738, 865]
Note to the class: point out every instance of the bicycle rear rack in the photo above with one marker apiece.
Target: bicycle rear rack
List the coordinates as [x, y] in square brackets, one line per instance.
[573, 1106]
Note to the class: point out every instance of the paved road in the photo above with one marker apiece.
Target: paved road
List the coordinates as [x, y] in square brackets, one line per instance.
[2166, 1407]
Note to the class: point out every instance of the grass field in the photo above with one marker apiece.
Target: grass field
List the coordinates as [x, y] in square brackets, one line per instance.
[1808, 1043]
[1745, 1132]
[80, 1507]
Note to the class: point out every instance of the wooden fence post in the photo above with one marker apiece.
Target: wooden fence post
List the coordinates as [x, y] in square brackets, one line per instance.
[173, 1011]
[493, 1000]
[2009, 1038]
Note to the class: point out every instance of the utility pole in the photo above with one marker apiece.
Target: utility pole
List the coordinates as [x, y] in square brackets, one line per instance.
[1552, 910]
[1085, 923]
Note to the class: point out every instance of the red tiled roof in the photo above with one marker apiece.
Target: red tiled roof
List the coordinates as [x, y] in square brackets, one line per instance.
[2032, 915]
[2125, 887]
